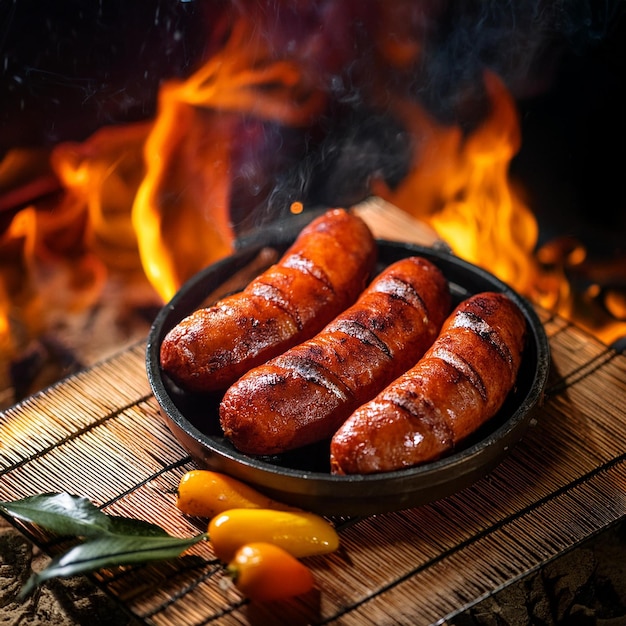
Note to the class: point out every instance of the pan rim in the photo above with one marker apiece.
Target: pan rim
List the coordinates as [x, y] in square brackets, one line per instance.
[296, 484]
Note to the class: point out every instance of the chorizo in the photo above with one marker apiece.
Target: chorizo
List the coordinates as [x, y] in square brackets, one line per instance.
[303, 395]
[460, 383]
[321, 274]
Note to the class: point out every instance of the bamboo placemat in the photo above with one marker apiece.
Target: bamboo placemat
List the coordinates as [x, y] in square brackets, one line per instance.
[99, 434]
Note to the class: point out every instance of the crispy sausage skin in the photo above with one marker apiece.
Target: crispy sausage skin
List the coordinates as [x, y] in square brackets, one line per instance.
[460, 383]
[320, 275]
[303, 395]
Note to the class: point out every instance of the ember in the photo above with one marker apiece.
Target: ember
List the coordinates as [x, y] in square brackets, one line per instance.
[414, 102]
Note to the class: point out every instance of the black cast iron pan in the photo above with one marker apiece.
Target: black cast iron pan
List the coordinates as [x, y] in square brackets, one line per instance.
[302, 477]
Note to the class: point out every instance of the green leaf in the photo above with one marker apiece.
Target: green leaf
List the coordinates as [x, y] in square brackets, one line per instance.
[69, 515]
[111, 551]
[110, 540]
[61, 513]
[134, 527]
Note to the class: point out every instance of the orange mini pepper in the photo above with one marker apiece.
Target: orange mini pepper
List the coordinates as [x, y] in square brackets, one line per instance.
[264, 572]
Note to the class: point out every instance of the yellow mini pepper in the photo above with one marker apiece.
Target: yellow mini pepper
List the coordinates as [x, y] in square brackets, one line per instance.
[205, 493]
[298, 532]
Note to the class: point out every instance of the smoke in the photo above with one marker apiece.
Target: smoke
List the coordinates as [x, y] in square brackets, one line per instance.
[359, 148]
[433, 53]
[522, 41]
[82, 69]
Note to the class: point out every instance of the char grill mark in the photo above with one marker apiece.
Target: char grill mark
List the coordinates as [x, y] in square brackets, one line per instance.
[476, 324]
[356, 330]
[397, 288]
[462, 367]
[271, 293]
[307, 266]
[423, 411]
[312, 371]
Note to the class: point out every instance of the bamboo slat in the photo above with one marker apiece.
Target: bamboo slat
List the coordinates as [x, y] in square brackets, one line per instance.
[564, 482]
[99, 434]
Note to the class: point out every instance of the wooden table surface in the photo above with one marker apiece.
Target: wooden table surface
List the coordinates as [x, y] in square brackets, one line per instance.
[99, 434]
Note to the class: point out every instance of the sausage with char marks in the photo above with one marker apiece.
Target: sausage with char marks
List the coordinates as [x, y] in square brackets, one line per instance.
[320, 275]
[460, 383]
[303, 395]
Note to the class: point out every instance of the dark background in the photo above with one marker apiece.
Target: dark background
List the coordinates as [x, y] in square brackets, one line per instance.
[70, 67]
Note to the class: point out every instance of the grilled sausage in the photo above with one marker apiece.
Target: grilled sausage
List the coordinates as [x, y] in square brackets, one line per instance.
[460, 383]
[303, 395]
[320, 275]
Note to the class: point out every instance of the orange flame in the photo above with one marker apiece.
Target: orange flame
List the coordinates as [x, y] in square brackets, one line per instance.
[153, 199]
[459, 185]
[181, 211]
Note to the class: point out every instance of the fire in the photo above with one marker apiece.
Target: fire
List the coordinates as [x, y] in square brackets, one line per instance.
[460, 186]
[181, 211]
[154, 199]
